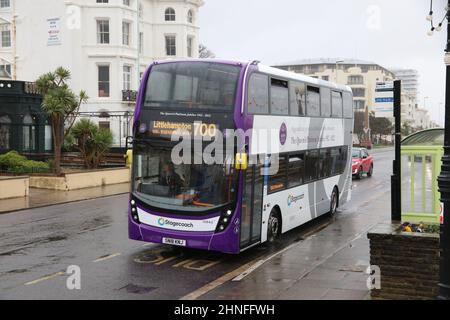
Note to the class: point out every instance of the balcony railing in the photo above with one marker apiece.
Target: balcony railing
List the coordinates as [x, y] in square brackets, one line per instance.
[129, 95]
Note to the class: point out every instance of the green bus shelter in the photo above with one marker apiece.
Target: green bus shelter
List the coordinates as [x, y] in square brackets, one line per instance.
[421, 165]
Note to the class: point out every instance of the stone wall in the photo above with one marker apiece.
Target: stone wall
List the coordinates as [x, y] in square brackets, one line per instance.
[82, 180]
[409, 263]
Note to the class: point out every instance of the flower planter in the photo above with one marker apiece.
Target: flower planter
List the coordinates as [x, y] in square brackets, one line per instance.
[408, 262]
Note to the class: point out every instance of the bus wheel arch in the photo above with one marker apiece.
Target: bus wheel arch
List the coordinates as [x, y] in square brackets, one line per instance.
[274, 224]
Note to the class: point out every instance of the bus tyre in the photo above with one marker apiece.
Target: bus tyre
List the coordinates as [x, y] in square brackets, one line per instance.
[334, 202]
[274, 226]
[370, 173]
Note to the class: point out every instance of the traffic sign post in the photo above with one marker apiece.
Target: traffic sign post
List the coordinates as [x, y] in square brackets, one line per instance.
[395, 107]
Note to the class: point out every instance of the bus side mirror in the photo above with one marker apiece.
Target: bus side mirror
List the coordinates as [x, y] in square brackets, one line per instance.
[241, 161]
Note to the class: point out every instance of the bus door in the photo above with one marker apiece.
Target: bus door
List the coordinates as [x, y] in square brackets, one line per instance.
[251, 220]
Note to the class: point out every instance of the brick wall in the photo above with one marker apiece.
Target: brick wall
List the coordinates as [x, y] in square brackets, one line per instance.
[409, 263]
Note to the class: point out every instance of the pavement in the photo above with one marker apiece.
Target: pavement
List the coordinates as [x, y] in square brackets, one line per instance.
[325, 259]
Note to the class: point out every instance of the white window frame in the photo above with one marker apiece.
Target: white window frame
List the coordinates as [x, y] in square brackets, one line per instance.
[100, 33]
[127, 72]
[126, 33]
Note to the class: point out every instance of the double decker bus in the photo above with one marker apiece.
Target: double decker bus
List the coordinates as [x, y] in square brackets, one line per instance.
[234, 204]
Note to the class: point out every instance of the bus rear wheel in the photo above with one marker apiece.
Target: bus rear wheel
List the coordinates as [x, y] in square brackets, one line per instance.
[334, 202]
[274, 226]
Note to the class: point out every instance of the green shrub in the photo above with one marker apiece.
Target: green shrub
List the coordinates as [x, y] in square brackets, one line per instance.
[16, 163]
[11, 159]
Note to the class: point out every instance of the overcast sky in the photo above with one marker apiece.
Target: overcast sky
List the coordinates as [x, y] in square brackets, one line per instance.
[390, 33]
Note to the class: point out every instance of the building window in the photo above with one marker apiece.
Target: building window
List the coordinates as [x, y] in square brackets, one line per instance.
[103, 31]
[171, 47]
[103, 81]
[28, 133]
[190, 16]
[355, 80]
[359, 92]
[170, 14]
[141, 10]
[141, 42]
[5, 132]
[5, 4]
[102, 1]
[104, 125]
[359, 104]
[48, 138]
[126, 27]
[126, 2]
[126, 77]
[190, 41]
[5, 71]
[326, 78]
[6, 36]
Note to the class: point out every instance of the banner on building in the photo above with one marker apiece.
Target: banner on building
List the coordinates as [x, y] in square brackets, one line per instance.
[54, 32]
[383, 104]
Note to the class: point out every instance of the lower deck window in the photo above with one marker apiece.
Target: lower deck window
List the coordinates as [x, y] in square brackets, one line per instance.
[309, 166]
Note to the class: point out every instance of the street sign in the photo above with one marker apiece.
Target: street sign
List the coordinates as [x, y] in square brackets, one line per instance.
[383, 103]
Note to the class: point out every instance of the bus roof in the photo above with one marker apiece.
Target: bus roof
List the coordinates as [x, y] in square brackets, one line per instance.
[268, 70]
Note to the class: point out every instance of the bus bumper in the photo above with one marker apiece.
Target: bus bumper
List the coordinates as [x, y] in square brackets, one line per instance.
[226, 242]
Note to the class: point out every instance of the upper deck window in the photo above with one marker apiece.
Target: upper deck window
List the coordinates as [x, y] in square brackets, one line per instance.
[258, 94]
[336, 104]
[348, 105]
[313, 102]
[279, 97]
[192, 85]
[298, 98]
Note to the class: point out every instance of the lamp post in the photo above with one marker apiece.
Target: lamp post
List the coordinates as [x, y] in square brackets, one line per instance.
[444, 182]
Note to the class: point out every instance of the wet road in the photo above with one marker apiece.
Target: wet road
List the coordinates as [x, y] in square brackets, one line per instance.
[37, 246]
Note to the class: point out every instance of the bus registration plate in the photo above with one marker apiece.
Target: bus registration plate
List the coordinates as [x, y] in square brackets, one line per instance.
[174, 242]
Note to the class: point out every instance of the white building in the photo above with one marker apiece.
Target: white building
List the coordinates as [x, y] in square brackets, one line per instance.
[410, 80]
[100, 42]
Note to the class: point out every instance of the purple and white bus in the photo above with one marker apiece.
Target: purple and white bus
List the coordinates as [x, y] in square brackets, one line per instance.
[230, 206]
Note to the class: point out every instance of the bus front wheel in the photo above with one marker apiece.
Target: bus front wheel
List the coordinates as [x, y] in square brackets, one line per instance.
[274, 226]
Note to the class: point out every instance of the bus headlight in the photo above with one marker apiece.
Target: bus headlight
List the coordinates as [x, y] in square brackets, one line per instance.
[225, 220]
[134, 213]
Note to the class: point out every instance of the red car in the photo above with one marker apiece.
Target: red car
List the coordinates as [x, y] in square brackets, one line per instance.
[362, 162]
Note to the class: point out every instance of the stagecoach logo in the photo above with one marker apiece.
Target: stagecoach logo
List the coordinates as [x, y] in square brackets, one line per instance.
[283, 134]
[293, 199]
[163, 222]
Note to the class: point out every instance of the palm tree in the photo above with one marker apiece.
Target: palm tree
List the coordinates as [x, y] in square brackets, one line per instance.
[92, 142]
[61, 105]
